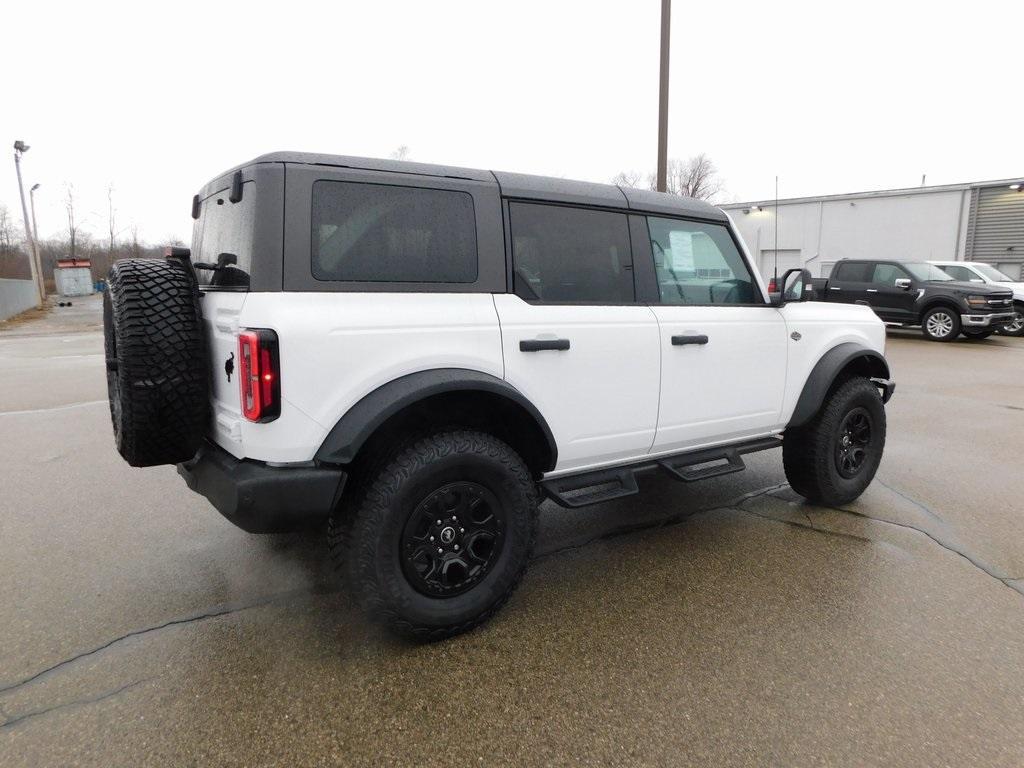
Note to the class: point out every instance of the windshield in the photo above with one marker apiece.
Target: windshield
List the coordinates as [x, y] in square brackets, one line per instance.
[925, 272]
[992, 273]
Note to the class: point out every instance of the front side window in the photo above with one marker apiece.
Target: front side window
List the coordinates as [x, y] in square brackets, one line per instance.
[391, 234]
[562, 254]
[698, 263]
[888, 274]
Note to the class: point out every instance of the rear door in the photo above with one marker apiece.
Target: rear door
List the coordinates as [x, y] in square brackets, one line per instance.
[892, 303]
[575, 341]
[723, 347]
[850, 281]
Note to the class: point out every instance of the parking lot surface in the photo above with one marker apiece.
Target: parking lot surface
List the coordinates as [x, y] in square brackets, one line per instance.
[721, 623]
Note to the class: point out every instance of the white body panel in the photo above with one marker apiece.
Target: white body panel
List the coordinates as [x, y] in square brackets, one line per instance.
[1017, 288]
[600, 397]
[730, 388]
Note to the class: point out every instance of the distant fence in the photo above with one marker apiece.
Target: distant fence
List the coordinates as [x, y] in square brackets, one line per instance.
[16, 296]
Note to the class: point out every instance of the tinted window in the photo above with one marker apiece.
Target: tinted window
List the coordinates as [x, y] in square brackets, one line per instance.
[698, 263]
[226, 227]
[381, 233]
[854, 271]
[888, 274]
[570, 254]
[958, 273]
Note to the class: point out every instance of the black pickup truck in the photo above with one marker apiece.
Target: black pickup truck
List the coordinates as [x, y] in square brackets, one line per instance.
[915, 293]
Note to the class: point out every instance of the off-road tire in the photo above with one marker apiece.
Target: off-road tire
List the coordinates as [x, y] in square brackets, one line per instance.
[809, 451]
[953, 324]
[157, 372]
[365, 534]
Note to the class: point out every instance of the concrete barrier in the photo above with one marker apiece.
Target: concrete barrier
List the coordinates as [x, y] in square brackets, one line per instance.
[16, 296]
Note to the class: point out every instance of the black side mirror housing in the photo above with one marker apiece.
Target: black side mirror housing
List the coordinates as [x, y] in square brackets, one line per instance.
[793, 289]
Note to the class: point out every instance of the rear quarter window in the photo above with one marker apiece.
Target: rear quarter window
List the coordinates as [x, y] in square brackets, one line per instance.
[392, 234]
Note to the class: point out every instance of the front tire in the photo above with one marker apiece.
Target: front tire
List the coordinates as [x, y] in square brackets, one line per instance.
[439, 537]
[1016, 327]
[834, 457]
[940, 324]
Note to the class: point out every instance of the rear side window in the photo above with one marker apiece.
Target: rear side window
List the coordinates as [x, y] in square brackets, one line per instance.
[391, 234]
[854, 271]
[958, 272]
[562, 254]
[698, 263]
[224, 227]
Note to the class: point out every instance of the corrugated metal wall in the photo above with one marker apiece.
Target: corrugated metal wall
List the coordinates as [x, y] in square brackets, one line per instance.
[995, 229]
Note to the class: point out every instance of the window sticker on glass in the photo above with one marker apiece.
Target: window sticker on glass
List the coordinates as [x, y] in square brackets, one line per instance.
[681, 245]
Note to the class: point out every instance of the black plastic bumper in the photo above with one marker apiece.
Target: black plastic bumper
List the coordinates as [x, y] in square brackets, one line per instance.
[263, 499]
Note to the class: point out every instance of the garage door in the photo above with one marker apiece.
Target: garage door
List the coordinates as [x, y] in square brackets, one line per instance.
[788, 259]
[995, 229]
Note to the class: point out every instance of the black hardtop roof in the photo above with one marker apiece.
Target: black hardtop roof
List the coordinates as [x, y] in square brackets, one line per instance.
[513, 185]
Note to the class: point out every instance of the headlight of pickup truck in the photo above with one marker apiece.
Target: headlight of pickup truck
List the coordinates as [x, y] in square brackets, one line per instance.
[977, 301]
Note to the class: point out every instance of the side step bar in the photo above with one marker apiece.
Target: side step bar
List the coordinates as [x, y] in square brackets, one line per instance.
[586, 488]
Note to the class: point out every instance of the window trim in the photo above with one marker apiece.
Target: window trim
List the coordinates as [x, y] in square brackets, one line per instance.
[654, 289]
[476, 237]
[510, 256]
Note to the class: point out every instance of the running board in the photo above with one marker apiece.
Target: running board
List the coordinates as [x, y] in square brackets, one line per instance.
[586, 488]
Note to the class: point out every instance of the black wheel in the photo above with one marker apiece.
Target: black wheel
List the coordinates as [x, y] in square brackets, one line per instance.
[833, 458]
[977, 334]
[940, 324]
[157, 379]
[1016, 327]
[439, 536]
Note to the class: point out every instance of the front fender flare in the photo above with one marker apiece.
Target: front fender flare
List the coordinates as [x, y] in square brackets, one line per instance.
[828, 368]
[361, 420]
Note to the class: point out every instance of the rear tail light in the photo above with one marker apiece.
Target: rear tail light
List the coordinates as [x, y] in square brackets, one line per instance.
[259, 375]
[772, 288]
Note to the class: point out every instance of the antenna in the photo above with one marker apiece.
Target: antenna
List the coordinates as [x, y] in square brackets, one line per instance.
[777, 287]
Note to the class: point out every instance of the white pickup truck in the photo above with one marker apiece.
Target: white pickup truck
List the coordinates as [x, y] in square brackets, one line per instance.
[979, 272]
[415, 355]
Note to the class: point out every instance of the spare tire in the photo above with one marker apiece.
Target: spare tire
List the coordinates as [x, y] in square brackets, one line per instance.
[157, 377]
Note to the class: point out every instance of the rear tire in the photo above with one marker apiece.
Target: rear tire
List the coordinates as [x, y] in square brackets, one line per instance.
[469, 491]
[940, 324]
[157, 377]
[834, 457]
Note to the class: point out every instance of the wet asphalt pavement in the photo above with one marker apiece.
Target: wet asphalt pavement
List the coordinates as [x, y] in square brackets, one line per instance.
[721, 623]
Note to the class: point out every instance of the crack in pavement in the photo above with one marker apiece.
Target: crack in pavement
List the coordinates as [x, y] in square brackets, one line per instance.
[923, 507]
[223, 610]
[10, 722]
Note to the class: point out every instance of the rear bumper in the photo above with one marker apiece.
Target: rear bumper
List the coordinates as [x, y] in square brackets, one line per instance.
[984, 321]
[259, 498]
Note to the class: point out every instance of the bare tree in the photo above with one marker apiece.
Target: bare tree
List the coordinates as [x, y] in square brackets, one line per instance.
[136, 248]
[696, 177]
[8, 235]
[73, 233]
[402, 153]
[632, 179]
[111, 222]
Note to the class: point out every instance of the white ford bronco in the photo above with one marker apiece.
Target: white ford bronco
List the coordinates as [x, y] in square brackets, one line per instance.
[413, 356]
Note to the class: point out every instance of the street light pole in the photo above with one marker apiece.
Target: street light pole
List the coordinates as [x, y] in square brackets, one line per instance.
[666, 11]
[35, 236]
[20, 148]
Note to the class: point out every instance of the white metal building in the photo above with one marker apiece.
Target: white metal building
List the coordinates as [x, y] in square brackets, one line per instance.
[73, 277]
[979, 221]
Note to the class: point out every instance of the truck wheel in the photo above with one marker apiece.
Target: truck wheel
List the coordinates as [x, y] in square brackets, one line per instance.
[977, 334]
[157, 380]
[436, 541]
[1016, 326]
[834, 457]
[940, 324]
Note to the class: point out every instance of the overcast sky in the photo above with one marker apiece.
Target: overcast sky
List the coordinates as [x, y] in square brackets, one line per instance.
[833, 97]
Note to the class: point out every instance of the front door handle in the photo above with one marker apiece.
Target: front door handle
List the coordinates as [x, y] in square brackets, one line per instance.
[539, 345]
[700, 338]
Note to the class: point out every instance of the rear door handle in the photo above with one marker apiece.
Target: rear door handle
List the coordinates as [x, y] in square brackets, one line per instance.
[539, 345]
[871, 290]
[700, 338]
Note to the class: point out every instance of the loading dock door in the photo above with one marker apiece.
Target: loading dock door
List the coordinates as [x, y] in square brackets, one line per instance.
[789, 258]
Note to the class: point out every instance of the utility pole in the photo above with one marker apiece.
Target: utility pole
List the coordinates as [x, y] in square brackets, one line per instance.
[666, 12]
[35, 235]
[20, 148]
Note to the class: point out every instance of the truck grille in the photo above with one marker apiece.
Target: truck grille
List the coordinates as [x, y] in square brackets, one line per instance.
[1001, 301]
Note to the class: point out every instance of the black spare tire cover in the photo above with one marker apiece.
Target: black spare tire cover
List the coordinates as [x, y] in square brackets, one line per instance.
[157, 378]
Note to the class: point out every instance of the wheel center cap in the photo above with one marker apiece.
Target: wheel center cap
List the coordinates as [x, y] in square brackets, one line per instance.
[447, 535]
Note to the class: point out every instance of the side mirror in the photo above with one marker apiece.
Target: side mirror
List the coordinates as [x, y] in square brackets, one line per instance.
[795, 285]
[903, 282]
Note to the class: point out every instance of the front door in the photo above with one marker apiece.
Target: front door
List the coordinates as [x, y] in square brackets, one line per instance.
[723, 348]
[575, 341]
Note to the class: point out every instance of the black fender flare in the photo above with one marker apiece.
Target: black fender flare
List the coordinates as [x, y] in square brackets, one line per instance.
[824, 374]
[361, 420]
